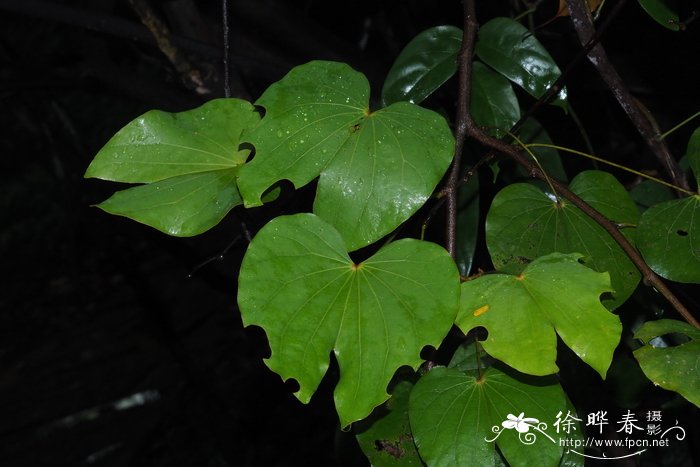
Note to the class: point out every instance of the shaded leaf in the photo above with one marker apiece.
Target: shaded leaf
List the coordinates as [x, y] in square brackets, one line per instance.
[522, 312]
[648, 193]
[376, 168]
[385, 437]
[549, 158]
[564, 8]
[662, 13]
[458, 419]
[668, 237]
[525, 222]
[424, 65]
[467, 224]
[298, 283]
[509, 48]
[494, 105]
[693, 154]
[189, 161]
[673, 368]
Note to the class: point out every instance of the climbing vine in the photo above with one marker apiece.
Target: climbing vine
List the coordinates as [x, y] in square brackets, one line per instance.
[348, 285]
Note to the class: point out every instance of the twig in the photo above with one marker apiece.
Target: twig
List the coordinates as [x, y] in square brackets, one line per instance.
[636, 111]
[226, 40]
[473, 131]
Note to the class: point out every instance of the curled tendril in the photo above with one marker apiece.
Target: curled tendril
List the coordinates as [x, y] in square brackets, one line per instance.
[679, 436]
[527, 438]
[496, 429]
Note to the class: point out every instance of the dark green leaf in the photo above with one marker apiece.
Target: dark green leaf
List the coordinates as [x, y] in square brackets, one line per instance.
[524, 223]
[298, 283]
[673, 368]
[662, 13]
[189, 161]
[548, 158]
[376, 168]
[457, 419]
[385, 437]
[649, 193]
[508, 47]
[423, 65]
[522, 313]
[467, 224]
[494, 105]
[693, 154]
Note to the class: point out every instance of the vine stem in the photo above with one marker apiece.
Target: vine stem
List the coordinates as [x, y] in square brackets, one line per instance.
[468, 127]
[638, 114]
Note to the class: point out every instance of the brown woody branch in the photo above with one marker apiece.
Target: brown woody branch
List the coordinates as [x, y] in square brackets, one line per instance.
[471, 129]
[635, 110]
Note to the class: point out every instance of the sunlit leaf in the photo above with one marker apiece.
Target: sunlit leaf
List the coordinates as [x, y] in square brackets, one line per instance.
[509, 48]
[662, 13]
[458, 418]
[376, 168]
[525, 222]
[674, 368]
[385, 436]
[494, 105]
[298, 283]
[188, 160]
[424, 65]
[524, 313]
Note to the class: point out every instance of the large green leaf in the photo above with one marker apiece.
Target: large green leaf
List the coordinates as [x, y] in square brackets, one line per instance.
[494, 105]
[669, 239]
[188, 160]
[376, 168]
[424, 65]
[662, 13]
[508, 47]
[525, 222]
[458, 418]
[522, 312]
[298, 283]
[673, 368]
[385, 436]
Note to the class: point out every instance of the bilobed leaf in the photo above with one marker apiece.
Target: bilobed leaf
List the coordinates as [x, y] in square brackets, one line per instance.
[385, 436]
[188, 161]
[673, 368]
[525, 222]
[523, 314]
[298, 283]
[668, 237]
[662, 13]
[424, 65]
[509, 48]
[457, 418]
[494, 105]
[376, 168]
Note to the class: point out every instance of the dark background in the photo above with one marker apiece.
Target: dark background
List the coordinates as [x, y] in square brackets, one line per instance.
[110, 353]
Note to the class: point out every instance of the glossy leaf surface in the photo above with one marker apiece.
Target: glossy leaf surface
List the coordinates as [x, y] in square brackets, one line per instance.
[298, 283]
[385, 437]
[662, 13]
[509, 48]
[523, 314]
[424, 65]
[458, 419]
[525, 222]
[494, 105]
[673, 368]
[188, 160]
[376, 168]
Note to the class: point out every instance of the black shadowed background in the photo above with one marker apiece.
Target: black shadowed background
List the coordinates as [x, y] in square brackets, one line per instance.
[121, 346]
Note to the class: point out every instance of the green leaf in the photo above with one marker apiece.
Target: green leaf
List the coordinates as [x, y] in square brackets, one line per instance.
[298, 283]
[385, 437]
[494, 105]
[376, 168]
[467, 224]
[509, 48]
[457, 418]
[181, 206]
[522, 312]
[423, 65]
[673, 368]
[525, 222]
[693, 154]
[648, 193]
[188, 160]
[662, 13]
[533, 132]
[669, 239]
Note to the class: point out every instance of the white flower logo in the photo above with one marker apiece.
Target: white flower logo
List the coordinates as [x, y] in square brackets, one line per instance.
[521, 423]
